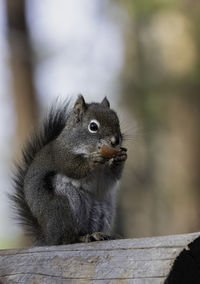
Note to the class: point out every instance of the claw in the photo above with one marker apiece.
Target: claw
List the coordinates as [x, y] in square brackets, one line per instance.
[123, 149]
[97, 236]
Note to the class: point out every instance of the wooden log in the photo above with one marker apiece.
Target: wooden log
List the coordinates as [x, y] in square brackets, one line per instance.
[137, 261]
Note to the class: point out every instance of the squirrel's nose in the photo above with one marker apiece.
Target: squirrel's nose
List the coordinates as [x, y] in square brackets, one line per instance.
[114, 140]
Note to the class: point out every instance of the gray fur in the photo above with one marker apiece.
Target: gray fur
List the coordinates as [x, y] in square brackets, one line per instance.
[68, 188]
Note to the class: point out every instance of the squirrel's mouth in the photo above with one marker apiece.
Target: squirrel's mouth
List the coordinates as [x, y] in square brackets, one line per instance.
[112, 142]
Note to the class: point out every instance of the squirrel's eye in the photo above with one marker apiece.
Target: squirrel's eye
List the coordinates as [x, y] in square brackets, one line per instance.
[93, 126]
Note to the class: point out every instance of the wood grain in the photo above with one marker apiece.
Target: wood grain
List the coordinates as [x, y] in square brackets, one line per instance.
[137, 261]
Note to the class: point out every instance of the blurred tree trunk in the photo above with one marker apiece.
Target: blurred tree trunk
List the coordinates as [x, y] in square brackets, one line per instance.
[22, 75]
[21, 70]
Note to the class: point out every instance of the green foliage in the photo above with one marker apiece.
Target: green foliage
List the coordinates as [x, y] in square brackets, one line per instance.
[146, 8]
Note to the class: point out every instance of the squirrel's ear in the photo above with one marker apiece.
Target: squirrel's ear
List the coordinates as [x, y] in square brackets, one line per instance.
[79, 107]
[105, 103]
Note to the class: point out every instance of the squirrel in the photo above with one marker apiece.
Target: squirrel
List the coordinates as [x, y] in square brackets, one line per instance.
[65, 188]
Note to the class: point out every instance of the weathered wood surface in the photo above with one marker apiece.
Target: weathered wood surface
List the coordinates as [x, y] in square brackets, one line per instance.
[137, 261]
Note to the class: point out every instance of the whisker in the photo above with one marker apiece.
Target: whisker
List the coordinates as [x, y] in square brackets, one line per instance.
[127, 137]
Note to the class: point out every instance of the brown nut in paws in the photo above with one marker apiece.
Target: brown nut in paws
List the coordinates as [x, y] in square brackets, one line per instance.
[108, 152]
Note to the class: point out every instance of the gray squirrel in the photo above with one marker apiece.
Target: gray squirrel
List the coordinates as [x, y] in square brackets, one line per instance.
[65, 189]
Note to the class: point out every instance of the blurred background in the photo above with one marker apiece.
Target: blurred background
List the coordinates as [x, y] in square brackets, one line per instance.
[144, 56]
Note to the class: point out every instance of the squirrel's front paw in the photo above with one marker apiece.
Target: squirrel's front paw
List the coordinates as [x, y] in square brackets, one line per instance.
[97, 158]
[121, 156]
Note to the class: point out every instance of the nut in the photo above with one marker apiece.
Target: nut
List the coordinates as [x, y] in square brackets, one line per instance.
[108, 152]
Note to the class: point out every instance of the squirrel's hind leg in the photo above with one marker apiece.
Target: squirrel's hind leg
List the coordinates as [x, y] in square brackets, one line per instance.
[96, 236]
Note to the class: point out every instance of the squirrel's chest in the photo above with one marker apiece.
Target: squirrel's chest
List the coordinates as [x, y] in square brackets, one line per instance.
[95, 184]
[90, 214]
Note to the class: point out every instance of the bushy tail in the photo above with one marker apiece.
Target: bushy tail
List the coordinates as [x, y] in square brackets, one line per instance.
[51, 128]
[22, 212]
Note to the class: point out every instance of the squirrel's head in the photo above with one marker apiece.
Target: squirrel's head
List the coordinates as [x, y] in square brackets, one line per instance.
[92, 125]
